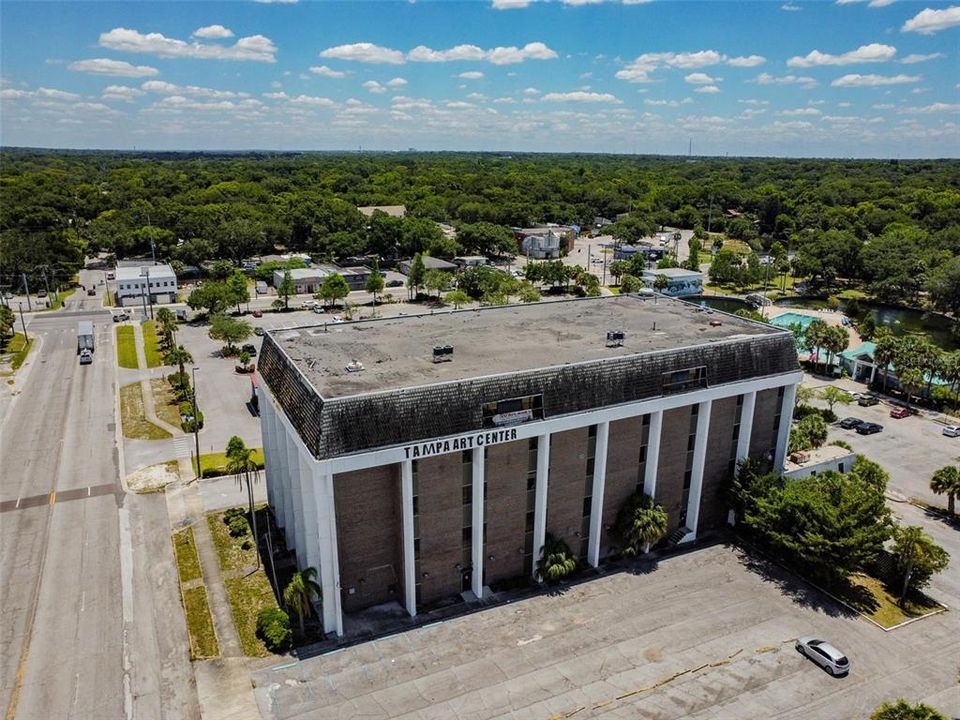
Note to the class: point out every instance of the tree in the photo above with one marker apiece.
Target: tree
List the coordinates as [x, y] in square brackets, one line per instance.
[885, 351]
[240, 463]
[333, 289]
[693, 262]
[286, 288]
[484, 238]
[556, 560]
[725, 267]
[179, 356]
[436, 281]
[417, 276]
[211, 297]
[631, 284]
[167, 323]
[804, 395]
[835, 341]
[375, 282]
[528, 293]
[809, 433]
[457, 298]
[617, 269]
[230, 330]
[902, 710]
[917, 558]
[7, 320]
[832, 395]
[239, 290]
[946, 481]
[661, 282]
[301, 589]
[640, 523]
[943, 284]
[816, 336]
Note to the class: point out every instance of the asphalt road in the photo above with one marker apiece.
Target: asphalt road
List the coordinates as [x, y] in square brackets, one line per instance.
[90, 622]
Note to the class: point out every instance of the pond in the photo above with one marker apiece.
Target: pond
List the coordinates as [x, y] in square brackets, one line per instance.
[723, 304]
[901, 321]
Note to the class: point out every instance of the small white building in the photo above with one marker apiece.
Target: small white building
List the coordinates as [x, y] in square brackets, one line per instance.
[542, 246]
[681, 282]
[132, 285]
[811, 462]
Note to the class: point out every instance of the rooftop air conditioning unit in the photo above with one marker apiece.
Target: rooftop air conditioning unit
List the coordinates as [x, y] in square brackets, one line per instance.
[615, 338]
[442, 353]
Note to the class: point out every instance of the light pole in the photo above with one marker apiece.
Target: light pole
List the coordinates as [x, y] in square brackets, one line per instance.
[26, 338]
[196, 418]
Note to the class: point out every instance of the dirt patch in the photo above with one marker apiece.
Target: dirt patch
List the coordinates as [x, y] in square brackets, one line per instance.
[154, 477]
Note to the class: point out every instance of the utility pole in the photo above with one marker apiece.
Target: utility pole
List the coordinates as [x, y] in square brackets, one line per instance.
[709, 216]
[148, 295]
[196, 419]
[26, 338]
[46, 285]
[153, 246]
[26, 287]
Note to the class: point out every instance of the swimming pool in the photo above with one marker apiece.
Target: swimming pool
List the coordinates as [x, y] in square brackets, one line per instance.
[791, 318]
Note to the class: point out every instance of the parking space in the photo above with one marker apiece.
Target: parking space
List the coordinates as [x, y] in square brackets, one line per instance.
[709, 634]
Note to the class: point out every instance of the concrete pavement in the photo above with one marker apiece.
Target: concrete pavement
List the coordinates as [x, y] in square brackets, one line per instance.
[91, 621]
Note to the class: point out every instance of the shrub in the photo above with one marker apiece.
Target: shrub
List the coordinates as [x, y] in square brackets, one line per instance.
[228, 515]
[238, 526]
[843, 443]
[273, 627]
[194, 424]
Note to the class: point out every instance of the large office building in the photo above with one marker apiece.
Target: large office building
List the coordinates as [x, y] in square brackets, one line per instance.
[424, 458]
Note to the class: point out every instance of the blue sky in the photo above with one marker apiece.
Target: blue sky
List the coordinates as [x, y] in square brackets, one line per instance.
[848, 78]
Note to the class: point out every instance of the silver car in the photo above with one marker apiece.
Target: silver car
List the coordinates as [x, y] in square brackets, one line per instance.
[824, 654]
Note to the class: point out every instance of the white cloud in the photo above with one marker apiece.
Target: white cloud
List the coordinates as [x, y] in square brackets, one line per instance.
[510, 4]
[930, 109]
[312, 101]
[374, 87]
[120, 93]
[746, 61]
[580, 96]
[790, 7]
[471, 75]
[750, 113]
[668, 103]
[802, 80]
[872, 3]
[41, 93]
[753, 101]
[709, 89]
[255, 47]
[366, 53]
[531, 91]
[699, 78]
[844, 104]
[118, 68]
[915, 58]
[882, 106]
[396, 82]
[324, 71]
[799, 112]
[792, 125]
[874, 52]
[213, 31]
[370, 53]
[856, 80]
[479, 97]
[161, 87]
[927, 22]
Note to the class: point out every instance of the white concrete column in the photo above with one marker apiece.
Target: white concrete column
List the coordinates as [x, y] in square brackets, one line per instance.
[269, 439]
[596, 496]
[653, 453]
[479, 474]
[294, 509]
[746, 424]
[409, 558]
[540, 497]
[329, 558]
[310, 530]
[282, 475]
[696, 473]
[786, 419]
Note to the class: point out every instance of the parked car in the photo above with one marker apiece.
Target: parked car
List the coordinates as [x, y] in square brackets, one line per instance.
[867, 399]
[250, 349]
[121, 317]
[86, 357]
[868, 428]
[318, 309]
[394, 283]
[258, 313]
[951, 430]
[900, 411]
[824, 654]
[41, 293]
[8, 295]
[850, 423]
[309, 303]
[259, 331]
[91, 291]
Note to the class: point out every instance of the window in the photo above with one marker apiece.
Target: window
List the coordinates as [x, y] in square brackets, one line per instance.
[683, 380]
[644, 441]
[512, 411]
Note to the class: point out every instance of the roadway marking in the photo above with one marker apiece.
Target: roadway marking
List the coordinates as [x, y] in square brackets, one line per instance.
[53, 497]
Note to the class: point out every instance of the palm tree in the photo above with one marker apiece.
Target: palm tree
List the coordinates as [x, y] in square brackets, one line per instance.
[951, 373]
[835, 341]
[815, 335]
[240, 463]
[946, 481]
[299, 591]
[640, 523]
[168, 324]
[886, 349]
[556, 560]
[915, 553]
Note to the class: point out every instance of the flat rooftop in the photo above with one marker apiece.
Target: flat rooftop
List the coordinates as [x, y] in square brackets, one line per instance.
[398, 352]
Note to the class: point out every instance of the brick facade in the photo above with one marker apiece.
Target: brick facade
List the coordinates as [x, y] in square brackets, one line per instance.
[764, 437]
[623, 464]
[716, 467]
[673, 463]
[369, 536]
[506, 503]
[568, 472]
[440, 520]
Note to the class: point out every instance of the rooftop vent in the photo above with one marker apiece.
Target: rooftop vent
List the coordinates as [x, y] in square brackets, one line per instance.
[442, 353]
[354, 366]
[615, 338]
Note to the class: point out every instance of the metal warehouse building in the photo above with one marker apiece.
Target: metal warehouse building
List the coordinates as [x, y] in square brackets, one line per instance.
[423, 457]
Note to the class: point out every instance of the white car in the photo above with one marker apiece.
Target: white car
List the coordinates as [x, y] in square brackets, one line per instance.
[824, 654]
[309, 303]
[952, 430]
[318, 309]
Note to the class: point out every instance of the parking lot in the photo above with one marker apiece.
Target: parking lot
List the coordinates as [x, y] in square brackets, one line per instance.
[708, 634]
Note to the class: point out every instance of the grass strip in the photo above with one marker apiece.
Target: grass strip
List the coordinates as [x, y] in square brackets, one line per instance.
[164, 402]
[126, 348]
[19, 350]
[203, 636]
[217, 462]
[58, 298]
[132, 416]
[249, 594]
[188, 562]
[884, 609]
[151, 344]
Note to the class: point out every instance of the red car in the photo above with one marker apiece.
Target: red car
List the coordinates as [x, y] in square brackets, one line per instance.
[900, 412]
[258, 313]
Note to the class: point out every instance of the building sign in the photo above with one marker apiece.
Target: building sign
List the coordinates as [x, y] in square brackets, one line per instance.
[512, 411]
[512, 418]
[458, 444]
